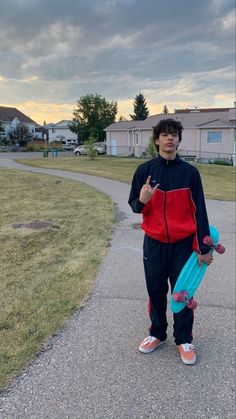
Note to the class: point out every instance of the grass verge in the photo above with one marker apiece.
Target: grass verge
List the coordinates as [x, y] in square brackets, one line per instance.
[45, 272]
[218, 181]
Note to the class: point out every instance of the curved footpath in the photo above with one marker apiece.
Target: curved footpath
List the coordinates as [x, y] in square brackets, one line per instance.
[92, 367]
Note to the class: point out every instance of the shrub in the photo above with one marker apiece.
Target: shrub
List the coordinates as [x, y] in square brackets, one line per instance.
[90, 147]
[151, 149]
[221, 162]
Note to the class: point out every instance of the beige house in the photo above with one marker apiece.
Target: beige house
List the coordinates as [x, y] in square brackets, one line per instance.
[60, 131]
[209, 134]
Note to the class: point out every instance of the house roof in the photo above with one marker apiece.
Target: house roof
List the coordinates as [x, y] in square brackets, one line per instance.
[203, 110]
[123, 125]
[217, 123]
[192, 119]
[7, 114]
[64, 122]
[61, 124]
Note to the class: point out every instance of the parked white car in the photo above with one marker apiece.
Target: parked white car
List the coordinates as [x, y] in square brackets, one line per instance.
[101, 148]
[69, 143]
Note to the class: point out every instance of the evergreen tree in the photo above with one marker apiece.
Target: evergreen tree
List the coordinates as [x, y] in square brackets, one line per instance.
[141, 111]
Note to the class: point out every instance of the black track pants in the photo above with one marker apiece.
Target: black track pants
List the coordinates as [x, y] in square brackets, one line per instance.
[163, 261]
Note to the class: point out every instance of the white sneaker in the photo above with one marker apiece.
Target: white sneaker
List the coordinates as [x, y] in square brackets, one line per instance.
[149, 344]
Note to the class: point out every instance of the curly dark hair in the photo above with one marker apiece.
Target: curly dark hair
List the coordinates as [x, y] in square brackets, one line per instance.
[167, 125]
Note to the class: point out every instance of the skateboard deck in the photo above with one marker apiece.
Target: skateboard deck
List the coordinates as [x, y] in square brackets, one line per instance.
[191, 275]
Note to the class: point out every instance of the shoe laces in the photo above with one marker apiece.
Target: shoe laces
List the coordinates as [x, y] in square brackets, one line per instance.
[187, 347]
[149, 339]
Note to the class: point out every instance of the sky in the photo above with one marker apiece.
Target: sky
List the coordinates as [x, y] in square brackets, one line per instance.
[178, 53]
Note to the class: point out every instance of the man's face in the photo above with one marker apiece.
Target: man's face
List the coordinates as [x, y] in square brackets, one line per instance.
[168, 142]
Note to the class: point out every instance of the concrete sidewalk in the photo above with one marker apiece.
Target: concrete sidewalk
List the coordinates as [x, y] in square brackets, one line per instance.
[92, 368]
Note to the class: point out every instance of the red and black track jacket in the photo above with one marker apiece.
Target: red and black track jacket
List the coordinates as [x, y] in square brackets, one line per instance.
[177, 208]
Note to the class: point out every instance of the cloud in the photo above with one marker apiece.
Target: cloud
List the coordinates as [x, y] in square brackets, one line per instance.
[57, 51]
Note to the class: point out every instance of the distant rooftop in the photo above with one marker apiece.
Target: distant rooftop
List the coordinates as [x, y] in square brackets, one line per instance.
[7, 114]
[61, 124]
[203, 110]
[190, 118]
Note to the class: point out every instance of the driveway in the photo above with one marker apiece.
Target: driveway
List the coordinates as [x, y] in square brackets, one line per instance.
[92, 367]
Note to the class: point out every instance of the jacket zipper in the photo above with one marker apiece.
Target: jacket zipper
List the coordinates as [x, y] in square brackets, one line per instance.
[167, 231]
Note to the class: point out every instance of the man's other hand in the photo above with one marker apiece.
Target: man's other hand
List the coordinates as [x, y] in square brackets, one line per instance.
[207, 258]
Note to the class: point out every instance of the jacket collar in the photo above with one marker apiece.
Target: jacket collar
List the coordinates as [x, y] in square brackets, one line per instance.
[161, 160]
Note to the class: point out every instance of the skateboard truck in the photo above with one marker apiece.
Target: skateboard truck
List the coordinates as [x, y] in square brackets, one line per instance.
[182, 297]
[217, 247]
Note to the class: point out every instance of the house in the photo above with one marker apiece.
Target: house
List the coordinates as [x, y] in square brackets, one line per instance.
[60, 131]
[209, 134]
[11, 117]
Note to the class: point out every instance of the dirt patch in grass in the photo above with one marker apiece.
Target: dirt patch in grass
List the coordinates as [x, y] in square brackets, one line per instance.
[53, 238]
[35, 225]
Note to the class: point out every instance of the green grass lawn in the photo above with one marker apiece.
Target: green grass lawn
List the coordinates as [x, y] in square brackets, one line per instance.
[218, 181]
[45, 273]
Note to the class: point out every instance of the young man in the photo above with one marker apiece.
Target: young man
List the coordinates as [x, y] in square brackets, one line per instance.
[168, 192]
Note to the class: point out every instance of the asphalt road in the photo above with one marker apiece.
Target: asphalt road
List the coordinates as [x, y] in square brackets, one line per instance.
[92, 367]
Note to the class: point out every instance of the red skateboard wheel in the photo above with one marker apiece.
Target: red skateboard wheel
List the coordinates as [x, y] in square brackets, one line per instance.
[180, 297]
[192, 304]
[220, 249]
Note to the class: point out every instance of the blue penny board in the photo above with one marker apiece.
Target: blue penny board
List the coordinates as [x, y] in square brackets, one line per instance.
[191, 275]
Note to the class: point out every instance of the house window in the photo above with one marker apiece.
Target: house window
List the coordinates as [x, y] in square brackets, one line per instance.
[136, 138]
[214, 137]
[53, 130]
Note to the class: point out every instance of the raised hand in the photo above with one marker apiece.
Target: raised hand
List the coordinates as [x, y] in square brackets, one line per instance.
[147, 191]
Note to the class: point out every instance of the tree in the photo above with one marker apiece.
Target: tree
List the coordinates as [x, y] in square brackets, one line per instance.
[90, 147]
[122, 119]
[21, 134]
[151, 148]
[2, 131]
[4, 141]
[165, 110]
[92, 115]
[141, 111]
